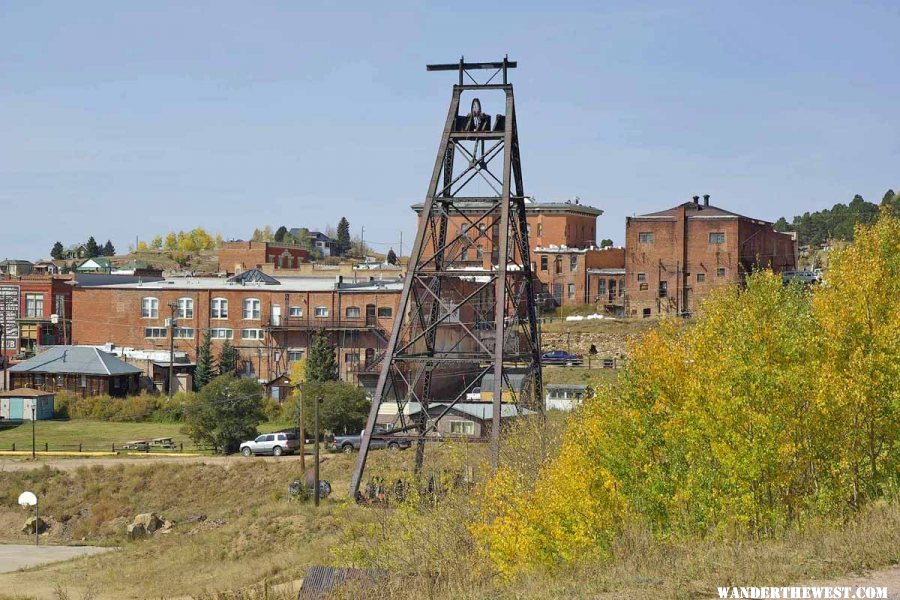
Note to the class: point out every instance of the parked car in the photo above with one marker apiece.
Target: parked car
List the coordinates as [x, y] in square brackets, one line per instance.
[561, 357]
[275, 444]
[805, 277]
[349, 443]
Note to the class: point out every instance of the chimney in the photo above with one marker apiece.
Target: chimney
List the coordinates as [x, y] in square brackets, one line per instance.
[696, 200]
[705, 199]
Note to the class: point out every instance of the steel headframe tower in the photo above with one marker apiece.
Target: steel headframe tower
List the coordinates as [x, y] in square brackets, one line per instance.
[467, 309]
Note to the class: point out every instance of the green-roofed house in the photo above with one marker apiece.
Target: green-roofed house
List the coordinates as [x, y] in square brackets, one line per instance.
[98, 264]
[82, 370]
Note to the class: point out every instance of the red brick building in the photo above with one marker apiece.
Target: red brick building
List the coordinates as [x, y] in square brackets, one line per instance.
[563, 251]
[239, 256]
[575, 276]
[269, 320]
[27, 306]
[675, 257]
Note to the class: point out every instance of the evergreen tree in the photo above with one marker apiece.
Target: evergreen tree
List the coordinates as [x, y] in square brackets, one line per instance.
[782, 225]
[228, 359]
[108, 249]
[322, 364]
[91, 248]
[607, 243]
[205, 367]
[391, 257]
[281, 234]
[57, 251]
[343, 236]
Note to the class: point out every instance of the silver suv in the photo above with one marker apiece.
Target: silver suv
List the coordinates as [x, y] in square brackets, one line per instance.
[275, 444]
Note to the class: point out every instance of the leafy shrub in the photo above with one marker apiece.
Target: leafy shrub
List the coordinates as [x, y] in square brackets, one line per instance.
[775, 408]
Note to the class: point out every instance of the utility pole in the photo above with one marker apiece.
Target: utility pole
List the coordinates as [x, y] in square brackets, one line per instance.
[302, 433]
[316, 434]
[33, 415]
[173, 306]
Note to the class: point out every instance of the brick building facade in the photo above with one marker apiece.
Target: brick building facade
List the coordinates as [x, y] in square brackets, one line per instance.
[270, 323]
[576, 276]
[563, 252]
[675, 257]
[239, 256]
[27, 304]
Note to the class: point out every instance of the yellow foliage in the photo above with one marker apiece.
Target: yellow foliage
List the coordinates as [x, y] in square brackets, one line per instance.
[775, 406]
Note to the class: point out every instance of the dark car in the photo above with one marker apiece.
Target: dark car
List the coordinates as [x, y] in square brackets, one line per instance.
[349, 443]
[561, 357]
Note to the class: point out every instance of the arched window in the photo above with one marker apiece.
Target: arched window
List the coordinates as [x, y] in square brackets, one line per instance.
[251, 308]
[150, 308]
[185, 308]
[219, 308]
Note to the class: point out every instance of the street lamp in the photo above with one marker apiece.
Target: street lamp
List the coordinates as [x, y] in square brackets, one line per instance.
[27, 499]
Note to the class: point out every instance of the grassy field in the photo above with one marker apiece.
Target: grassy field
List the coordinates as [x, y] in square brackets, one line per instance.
[97, 435]
[254, 533]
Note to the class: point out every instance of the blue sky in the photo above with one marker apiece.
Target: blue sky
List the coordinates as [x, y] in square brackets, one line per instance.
[125, 119]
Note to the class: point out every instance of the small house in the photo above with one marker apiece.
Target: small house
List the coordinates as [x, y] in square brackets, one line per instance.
[23, 403]
[563, 396]
[466, 419]
[98, 264]
[83, 370]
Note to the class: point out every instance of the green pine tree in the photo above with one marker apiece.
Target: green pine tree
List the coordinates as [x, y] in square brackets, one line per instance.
[343, 236]
[392, 257]
[281, 234]
[206, 368]
[228, 359]
[57, 251]
[108, 249]
[91, 248]
[322, 364]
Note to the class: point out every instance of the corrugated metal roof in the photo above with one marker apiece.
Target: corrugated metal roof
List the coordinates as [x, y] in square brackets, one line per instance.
[322, 582]
[82, 360]
[483, 411]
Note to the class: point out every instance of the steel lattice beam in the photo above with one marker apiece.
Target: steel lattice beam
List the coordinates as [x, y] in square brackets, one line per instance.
[459, 321]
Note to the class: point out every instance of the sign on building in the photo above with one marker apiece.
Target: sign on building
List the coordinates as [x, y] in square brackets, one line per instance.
[9, 313]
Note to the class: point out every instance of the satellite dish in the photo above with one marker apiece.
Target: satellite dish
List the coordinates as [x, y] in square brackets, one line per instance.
[27, 499]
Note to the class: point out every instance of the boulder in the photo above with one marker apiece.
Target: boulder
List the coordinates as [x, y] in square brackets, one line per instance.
[33, 522]
[150, 521]
[136, 531]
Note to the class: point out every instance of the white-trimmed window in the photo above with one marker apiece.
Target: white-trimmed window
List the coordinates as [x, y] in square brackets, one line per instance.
[645, 237]
[296, 311]
[155, 333]
[218, 308]
[34, 305]
[321, 312]
[251, 308]
[185, 308]
[184, 333]
[251, 334]
[352, 312]
[294, 354]
[573, 263]
[462, 427]
[150, 308]
[716, 237]
[385, 312]
[221, 333]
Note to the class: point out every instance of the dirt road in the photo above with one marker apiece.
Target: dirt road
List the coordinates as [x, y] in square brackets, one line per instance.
[69, 464]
